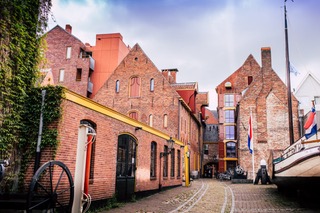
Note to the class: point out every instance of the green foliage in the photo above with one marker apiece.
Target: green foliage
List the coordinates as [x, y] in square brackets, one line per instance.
[21, 26]
[30, 122]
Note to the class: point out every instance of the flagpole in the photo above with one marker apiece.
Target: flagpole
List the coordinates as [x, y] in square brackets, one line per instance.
[252, 156]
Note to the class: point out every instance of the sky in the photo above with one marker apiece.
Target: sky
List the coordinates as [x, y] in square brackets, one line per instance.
[206, 40]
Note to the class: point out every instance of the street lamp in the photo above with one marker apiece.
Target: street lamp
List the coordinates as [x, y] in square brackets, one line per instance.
[170, 146]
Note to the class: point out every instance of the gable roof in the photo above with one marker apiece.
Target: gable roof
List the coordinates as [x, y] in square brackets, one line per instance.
[212, 119]
[250, 65]
[304, 80]
[58, 27]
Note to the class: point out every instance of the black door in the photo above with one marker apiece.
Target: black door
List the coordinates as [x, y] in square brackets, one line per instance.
[126, 156]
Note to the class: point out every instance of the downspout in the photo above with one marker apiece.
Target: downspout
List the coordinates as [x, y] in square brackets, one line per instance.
[38, 152]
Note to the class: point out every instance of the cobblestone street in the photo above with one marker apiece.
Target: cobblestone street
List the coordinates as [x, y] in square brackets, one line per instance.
[211, 195]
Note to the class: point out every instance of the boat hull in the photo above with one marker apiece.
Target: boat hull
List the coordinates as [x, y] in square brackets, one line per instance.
[301, 170]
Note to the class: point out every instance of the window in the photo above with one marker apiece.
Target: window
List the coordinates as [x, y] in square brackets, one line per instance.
[117, 86]
[178, 163]
[151, 85]
[165, 162]
[206, 149]
[79, 73]
[229, 132]
[250, 78]
[150, 120]
[68, 52]
[229, 100]
[172, 163]
[165, 121]
[231, 150]
[133, 115]
[229, 116]
[61, 75]
[153, 163]
[135, 87]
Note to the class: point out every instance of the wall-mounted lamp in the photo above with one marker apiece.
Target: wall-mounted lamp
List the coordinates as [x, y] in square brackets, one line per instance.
[138, 128]
[170, 146]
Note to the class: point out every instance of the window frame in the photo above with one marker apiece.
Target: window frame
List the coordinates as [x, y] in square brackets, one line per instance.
[178, 163]
[153, 160]
[229, 100]
[68, 52]
[229, 135]
[233, 151]
[152, 85]
[165, 163]
[61, 75]
[135, 86]
[229, 116]
[117, 89]
[172, 168]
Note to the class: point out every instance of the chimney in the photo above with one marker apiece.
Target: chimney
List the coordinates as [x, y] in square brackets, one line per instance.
[69, 28]
[170, 75]
[266, 57]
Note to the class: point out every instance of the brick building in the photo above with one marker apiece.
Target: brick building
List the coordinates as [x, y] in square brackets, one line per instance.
[261, 91]
[266, 98]
[135, 112]
[211, 144]
[138, 89]
[229, 94]
[69, 61]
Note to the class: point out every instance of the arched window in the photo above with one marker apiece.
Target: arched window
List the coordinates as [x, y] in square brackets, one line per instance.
[165, 120]
[133, 115]
[151, 85]
[117, 86]
[172, 163]
[165, 162]
[153, 162]
[135, 87]
[150, 120]
[231, 150]
[178, 163]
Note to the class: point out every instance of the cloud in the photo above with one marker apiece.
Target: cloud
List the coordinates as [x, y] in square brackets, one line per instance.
[206, 40]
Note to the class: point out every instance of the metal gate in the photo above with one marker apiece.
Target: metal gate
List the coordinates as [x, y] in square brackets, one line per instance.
[126, 166]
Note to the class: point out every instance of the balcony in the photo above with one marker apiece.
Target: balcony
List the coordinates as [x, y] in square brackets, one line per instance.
[90, 86]
[91, 64]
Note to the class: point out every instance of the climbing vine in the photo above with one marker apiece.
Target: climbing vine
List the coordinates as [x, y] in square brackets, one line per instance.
[51, 112]
[21, 25]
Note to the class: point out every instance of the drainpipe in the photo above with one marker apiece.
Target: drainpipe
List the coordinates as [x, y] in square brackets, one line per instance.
[38, 152]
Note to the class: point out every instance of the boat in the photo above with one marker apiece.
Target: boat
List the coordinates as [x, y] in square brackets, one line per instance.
[298, 167]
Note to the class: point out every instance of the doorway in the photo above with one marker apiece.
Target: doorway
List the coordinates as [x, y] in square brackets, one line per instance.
[126, 166]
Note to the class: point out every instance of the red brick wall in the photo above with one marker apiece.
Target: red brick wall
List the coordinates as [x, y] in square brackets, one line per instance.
[108, 130]
[57, 42]
[267, 100]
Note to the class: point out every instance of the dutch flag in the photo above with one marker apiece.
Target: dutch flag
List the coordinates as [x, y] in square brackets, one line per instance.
[311, 124]
[250, 139]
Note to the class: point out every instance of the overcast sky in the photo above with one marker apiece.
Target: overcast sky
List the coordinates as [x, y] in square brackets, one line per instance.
[206, 40]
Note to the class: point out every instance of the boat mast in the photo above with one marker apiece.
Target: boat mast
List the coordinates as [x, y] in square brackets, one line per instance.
[288, 76]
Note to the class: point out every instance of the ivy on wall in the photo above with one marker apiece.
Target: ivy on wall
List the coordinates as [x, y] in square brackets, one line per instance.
[30, 122]
[21, 25]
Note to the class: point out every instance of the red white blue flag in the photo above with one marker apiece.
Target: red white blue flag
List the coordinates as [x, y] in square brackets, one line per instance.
[311, 124]
[250, 138]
